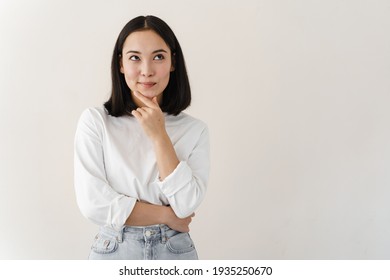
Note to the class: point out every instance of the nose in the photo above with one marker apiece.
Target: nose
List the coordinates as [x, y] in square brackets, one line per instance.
[147, 69]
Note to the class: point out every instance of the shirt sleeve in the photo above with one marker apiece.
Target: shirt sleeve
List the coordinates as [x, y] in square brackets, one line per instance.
[186, 186]
[97, 200]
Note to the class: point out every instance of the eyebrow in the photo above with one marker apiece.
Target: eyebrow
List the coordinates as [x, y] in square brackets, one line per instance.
[138, 52]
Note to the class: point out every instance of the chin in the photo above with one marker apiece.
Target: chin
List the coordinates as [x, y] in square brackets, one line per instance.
[149, 95]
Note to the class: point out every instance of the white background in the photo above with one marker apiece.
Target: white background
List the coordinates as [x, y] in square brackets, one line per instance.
[296, 95]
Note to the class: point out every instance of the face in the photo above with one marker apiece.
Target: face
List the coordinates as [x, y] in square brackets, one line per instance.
[146, 63]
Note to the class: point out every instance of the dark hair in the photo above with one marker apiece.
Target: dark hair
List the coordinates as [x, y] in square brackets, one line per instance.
[177, 94]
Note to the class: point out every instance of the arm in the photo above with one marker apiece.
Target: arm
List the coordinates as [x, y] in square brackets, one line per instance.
[186, 186]
[153, 122]
[97, 200]
[144, 214]
[166, 157]
[182, 182]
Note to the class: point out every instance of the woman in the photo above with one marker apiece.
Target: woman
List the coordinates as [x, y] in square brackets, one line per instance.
[141, 164]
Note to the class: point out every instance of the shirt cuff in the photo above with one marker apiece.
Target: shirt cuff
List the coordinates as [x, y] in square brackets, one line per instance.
[125, 207]
[178, 179]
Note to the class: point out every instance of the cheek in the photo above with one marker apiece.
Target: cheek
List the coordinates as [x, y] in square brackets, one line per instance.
[130, 77]
[129, 69]
[130, 72]
[164, 72]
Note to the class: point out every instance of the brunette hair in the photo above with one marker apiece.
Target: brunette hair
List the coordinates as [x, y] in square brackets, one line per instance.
[177, 94]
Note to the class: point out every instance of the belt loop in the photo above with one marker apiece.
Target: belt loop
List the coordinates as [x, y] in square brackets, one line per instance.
[120, 233]
[163, 235]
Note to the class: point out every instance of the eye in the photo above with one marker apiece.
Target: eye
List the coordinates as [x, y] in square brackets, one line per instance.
[134, 58]
[159, 57]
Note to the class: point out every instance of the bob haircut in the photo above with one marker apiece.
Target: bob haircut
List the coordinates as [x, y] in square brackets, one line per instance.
[177, 94]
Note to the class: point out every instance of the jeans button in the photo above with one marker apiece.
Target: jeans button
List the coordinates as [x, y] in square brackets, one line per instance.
[148, 233]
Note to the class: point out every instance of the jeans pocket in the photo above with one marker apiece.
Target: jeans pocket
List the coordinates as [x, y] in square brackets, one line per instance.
[180, 243]
[104, 244]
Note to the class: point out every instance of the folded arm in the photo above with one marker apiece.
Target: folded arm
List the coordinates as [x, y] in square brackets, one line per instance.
[144, 214]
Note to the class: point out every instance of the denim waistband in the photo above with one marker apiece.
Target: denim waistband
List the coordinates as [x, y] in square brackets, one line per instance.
[147, 233]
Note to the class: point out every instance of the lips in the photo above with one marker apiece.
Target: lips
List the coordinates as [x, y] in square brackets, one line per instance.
[146, 84]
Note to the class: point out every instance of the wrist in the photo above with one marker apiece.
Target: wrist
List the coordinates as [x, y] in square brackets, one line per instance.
[166, 215]
[161, 139]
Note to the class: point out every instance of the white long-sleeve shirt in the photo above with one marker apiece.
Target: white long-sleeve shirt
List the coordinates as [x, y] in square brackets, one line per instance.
[115, 166]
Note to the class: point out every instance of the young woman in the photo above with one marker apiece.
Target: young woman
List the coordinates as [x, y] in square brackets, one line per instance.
[141, 164]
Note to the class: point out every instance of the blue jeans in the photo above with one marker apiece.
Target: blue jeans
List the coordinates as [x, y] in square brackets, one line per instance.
[158, 242]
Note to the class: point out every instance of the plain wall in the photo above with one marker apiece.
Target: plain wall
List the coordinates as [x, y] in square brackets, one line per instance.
[296, 95]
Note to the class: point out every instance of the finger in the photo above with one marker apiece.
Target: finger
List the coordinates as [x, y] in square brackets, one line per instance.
[145, 100]
[136, 114]
[141, 110]
[145, 110]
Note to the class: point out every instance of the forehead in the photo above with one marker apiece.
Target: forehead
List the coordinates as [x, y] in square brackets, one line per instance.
[145, 41]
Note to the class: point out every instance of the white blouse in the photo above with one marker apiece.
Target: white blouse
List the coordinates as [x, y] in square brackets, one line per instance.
[115, 166]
